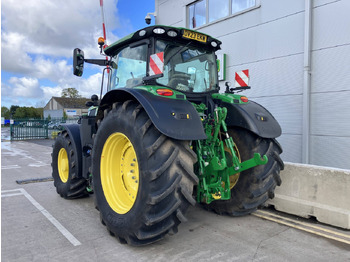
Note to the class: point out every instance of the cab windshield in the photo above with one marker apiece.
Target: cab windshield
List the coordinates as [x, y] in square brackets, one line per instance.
[187, 68]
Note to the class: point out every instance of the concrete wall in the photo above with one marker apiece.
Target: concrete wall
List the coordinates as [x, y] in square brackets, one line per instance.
[53, 113]
[269, 41]
[315, 191]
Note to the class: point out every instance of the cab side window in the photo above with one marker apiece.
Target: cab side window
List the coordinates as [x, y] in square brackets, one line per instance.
[131, 69]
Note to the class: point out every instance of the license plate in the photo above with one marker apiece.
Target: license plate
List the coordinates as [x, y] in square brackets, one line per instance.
[195, 36]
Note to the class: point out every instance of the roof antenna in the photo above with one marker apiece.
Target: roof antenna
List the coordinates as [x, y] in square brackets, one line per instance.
[103, 25]
[103, 42]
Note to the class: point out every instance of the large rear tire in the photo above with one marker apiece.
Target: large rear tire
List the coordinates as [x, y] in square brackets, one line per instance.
[143, 180]
[65, 168]
[254, 186]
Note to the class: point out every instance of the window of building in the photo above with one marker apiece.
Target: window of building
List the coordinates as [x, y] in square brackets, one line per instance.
[197, 14]
[206, 11]
[240, 5]
[218, 9]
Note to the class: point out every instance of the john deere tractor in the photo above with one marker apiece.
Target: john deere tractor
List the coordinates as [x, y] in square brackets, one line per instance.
[162, 138]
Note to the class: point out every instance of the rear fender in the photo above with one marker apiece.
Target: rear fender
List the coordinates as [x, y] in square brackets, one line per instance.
[253, 117]
[174, 118]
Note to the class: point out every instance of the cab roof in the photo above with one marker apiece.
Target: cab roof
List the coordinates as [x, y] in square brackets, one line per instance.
[177, 34]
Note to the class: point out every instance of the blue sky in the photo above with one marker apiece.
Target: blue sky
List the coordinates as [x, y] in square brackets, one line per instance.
[38, 38]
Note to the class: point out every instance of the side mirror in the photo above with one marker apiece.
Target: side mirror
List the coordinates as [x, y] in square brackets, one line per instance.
[78, 62]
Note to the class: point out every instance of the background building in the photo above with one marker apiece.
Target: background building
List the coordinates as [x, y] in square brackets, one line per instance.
[73, 107]
[298, 54]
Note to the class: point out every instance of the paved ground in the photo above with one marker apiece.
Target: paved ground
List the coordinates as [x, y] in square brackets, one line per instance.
[38, 225]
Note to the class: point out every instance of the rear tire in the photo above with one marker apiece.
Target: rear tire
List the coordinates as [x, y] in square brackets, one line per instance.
[160, 176]
[256, 185]
[65, 168]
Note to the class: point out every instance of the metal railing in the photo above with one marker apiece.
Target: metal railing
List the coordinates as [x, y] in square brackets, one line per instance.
[23, 129]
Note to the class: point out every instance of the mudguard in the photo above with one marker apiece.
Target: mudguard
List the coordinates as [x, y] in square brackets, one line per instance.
[174, 118]
[74, 134]
[253, 117]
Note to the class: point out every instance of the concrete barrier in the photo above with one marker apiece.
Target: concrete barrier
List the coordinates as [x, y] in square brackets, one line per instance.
[323, 193]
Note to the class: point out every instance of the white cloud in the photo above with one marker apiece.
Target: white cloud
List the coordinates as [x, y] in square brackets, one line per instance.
[28, 91]
[51, 28]
[37, 42]
[54, 27]
[25, 87]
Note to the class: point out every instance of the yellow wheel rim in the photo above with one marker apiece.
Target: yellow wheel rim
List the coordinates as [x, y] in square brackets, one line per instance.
[234, 178]
[63, 165]
[119, 173]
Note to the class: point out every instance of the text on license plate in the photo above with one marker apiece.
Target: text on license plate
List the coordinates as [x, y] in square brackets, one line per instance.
[194, 36]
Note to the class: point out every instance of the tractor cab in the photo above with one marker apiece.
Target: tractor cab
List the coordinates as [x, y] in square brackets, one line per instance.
[164, 56]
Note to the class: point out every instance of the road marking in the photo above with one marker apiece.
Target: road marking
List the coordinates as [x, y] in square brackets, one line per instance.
[327, 233]
[38, 165]
[58, 225]
[10, 167]
[11, 195]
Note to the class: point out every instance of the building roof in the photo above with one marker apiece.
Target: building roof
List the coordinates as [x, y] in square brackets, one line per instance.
[67, 102]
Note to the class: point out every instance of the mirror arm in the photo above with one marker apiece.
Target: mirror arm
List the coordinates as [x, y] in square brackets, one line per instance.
[100, 62]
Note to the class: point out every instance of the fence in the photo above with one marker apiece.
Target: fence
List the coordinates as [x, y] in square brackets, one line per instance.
[23, 129]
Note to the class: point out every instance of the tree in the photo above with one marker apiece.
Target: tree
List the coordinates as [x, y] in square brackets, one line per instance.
[70, 92]
[5, 112]
[65, 116]
[13, 110]
[27, 112]
[40, 112]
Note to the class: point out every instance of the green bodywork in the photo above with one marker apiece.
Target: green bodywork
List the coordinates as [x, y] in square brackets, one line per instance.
[153, 90]
[217, 157]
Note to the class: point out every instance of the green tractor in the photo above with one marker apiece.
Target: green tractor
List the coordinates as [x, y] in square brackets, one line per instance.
[163, 138]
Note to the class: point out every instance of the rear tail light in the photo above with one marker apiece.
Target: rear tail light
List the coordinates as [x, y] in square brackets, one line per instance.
[165, 92]
[244, 99]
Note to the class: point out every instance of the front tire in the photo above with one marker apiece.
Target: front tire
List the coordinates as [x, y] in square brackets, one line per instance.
[143, 180]
[65, 168]
[255, 186]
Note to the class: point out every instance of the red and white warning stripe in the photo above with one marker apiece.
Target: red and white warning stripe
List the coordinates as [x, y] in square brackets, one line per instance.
[156, 64]
[242, 78]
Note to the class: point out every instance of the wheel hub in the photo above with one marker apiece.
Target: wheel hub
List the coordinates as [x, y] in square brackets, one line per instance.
[63, 165]
[119, 173]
